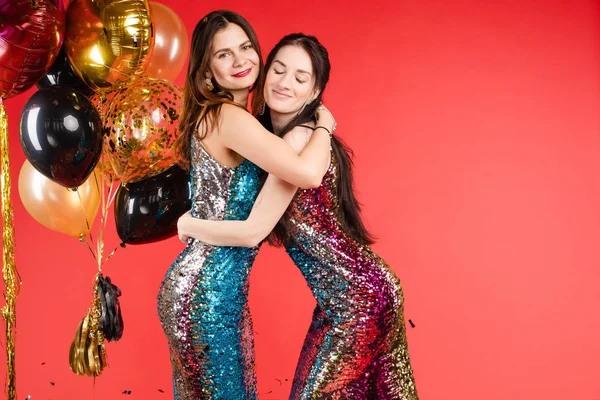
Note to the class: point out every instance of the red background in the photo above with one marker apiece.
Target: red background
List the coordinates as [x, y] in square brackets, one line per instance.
[476, 131]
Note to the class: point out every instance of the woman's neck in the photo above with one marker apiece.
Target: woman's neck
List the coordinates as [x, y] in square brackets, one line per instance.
[241, 97]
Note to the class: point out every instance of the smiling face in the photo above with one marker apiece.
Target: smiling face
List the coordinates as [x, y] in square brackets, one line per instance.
[234, 62]
[290, 81]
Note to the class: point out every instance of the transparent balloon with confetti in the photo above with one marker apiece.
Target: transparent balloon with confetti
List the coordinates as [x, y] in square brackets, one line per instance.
[141, 127]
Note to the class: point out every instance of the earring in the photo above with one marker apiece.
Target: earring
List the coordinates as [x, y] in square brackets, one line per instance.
[209, 84]
[262, 108]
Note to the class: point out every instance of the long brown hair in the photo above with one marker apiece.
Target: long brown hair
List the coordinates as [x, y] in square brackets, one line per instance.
[349, 207]
[201, 107]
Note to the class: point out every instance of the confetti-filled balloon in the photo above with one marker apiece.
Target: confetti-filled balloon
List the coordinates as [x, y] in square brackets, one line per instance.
[109, 42]
[31, 33]
[141, 128]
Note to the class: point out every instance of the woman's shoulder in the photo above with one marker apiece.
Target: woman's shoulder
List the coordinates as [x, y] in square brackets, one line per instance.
[299, 136]
[234, 118]
[234, 109]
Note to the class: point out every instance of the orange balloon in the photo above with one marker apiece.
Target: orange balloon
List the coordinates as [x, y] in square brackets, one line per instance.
[57, 207]
[170, 43]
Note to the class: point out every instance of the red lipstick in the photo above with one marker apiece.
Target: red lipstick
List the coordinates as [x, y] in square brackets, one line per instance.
[243, 73]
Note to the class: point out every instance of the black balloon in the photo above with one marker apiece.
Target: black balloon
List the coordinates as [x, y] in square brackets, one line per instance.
[62, 74]
[61, 135]
[147, 211]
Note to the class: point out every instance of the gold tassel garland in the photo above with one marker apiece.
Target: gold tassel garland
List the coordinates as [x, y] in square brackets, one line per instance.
[87, 355]
[12, 281]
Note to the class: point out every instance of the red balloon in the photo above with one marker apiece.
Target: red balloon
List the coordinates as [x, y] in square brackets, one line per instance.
[31, 34]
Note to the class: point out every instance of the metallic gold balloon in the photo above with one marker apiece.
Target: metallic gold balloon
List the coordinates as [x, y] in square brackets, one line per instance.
[109, 42]
[56, 207]
[141, 128]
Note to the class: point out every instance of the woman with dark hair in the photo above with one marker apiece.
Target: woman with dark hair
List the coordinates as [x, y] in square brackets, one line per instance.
[202, 302]
[356, 346]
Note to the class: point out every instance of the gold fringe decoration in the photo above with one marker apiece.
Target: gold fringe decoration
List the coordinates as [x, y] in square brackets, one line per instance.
[87, 355]
[12, 281]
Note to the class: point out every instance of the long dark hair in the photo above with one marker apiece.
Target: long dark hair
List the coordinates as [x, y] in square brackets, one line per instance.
[349, 207]
[201, 107]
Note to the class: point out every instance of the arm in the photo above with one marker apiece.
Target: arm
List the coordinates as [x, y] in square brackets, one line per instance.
[242, 133]
[271, 203]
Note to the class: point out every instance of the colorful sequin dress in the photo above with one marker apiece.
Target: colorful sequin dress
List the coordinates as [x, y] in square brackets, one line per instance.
[202, 302]
[356, 345]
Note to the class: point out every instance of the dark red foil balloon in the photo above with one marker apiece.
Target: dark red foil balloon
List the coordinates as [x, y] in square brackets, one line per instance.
[31, 34]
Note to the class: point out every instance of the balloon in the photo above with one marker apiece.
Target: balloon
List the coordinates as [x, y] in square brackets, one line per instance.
[147, 211]
[102, 103]
[61, 135]
[31, 33]
[106, 169]
[141, 128]
[170, 43]
[61, 74]
[56, 207]
[109, 42]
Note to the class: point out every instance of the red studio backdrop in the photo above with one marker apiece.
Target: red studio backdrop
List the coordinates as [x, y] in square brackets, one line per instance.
[476, 131]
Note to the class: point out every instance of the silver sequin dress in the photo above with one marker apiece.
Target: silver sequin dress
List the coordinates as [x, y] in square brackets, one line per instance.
[202, 302]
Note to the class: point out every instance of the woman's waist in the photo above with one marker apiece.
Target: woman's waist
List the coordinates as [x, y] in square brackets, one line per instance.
[234, 254]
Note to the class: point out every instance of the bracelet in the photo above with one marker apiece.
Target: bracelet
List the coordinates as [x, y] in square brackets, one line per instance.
[321, 126]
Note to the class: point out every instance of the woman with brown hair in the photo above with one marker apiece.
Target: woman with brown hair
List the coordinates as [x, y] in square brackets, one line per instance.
[356, 346]
[202, 302]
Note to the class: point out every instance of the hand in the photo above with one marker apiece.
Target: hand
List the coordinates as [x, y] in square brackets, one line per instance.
[325, 117]
[181, 224]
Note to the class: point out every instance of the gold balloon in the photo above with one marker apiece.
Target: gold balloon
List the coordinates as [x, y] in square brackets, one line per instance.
[109, 42]
[141, 128]
[57, 207]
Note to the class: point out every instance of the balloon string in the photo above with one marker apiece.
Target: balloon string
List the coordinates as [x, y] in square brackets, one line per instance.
[112, 253]
[83, 239]
[87, 222]
[108, 198]
[102, 225]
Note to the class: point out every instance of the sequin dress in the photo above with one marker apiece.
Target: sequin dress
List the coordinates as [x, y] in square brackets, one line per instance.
[202, 303]
[356, 345]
